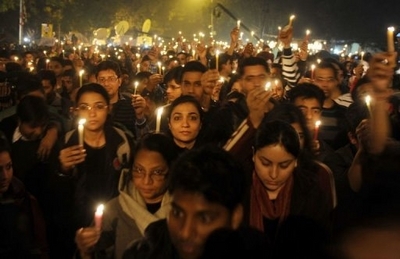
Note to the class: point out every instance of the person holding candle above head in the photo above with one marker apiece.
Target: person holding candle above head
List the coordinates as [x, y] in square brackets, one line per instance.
[142, 200]
[97, 165]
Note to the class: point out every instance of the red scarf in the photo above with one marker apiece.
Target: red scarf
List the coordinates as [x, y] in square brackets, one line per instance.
[262, 207]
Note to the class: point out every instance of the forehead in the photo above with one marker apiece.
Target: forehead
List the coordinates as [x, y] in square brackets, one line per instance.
[326, 72]
[185, 107]
[192, 76]
[308, 102]
[254, 70]
[107, 73]
[194, 202]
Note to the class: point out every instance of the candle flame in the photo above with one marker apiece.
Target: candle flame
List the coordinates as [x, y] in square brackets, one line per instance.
[368, 100]
[268, 86]
[308, 32]
[312, 67]
[81, 72]
[317, 124]
[100, 209]
[391, 28]
[160, 111]
[82, 122]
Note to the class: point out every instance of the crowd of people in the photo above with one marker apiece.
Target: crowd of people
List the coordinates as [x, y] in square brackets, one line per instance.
[198, 152]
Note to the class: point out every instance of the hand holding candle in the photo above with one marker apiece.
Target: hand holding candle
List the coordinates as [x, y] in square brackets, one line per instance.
[98, 216]
[81, 125]
[158, 120]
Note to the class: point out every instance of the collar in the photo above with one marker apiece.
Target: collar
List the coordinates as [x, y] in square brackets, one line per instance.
[18, 135]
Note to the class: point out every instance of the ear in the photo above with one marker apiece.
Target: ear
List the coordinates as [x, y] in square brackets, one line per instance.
[237, 216]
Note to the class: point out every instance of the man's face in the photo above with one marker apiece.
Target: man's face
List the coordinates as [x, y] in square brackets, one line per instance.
[191, 84]
[48, 88]
[253, 77]
[110, 81]
[56, 67]
[182, 59]
[311, 109]
[227, 67]
[326, 80]
[6, 171]
[31, 132]
[192, 219]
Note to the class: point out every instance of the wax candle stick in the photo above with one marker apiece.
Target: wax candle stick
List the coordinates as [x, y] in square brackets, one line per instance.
[159, 67]
[136, 86]
[307, 35]
[238, 24]
[368, 103]
[81, 72]
[291, 18]
[98, 216]
[316, 129]
[81, 126]
[312, 71]
[158, 120]
[390, 39]
[216, 59]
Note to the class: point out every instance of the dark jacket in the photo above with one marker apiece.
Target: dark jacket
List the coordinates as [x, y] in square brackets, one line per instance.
[22, 227]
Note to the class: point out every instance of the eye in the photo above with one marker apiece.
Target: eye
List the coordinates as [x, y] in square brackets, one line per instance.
[176, 118]
[206, 218]
[284, 165]
[193, 118]
[176, 213]
[158, 172]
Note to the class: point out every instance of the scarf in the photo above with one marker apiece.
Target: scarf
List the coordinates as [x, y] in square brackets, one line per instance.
[262, 207]
[135, 207]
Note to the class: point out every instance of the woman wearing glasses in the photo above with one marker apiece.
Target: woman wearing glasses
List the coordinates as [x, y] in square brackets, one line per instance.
[97, 163]
[142, 200]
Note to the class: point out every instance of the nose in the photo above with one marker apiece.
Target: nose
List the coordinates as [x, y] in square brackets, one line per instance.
[147, 179]
[185, 122]
[273, 173]
[186, 230]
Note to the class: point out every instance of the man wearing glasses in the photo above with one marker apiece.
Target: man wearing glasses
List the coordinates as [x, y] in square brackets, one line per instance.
[125, 111]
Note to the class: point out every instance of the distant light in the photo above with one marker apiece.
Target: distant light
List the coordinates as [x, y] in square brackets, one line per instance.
[26, 39]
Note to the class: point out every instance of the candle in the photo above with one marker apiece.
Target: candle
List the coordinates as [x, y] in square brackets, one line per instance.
[267, 86]
[81, 125]
[317, 124]
[368, 103]
[216, 59]
[159, 67]
[238, 24]
[362, 55]
[162, 70]
[47, 64]
[291, 20]
[307, 35]
[312, 71]
[390, 40]
[136, 86]
[158, 121]
[98, 216]
[81, 72]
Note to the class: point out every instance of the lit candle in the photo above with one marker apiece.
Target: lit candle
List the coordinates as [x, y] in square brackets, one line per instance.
[81, 126]
[81, 72]
[162, 70]
[291, 20]
[159, 67]
[368, 103]
[45, 52]
[216, 59]
[390, 40]
[267, 86]
[98, 216]
[47, 64]
[136, 86]
[158, 121]
[316, 129]
[138, 68]
[79, 50]
[362, 55]
[312, 71]
[238, 24]
[307, 35]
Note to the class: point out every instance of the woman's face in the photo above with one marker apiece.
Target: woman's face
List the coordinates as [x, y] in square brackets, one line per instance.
[173, 90]
[185, 124]
[274, 165]
[92, 107]
[149, 173]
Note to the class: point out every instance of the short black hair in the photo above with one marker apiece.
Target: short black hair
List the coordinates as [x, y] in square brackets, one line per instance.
[193, 66]
[306, 91]
[211, 172]
[173, 74]
[48, 75]
[92, 88]
[33, 111]
[108, 65]
[252, 61]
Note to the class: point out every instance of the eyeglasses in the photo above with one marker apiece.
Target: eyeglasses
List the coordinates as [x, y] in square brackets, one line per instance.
[157, 175]
[103, 80]
[95, 107]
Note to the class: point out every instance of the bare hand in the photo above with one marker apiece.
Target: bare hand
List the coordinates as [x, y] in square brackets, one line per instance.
[209, 80]
[139, 104]
[47, 143]
[258, 103]
[71, 156]
[381, 70]
[86, 238]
